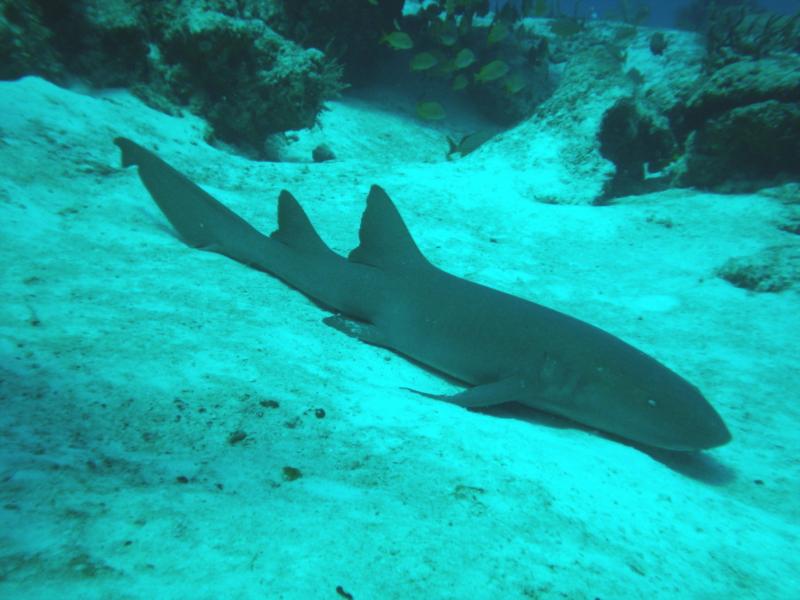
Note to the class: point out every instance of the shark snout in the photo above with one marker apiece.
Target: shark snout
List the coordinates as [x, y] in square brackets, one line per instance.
[700, 427]
[711, 433]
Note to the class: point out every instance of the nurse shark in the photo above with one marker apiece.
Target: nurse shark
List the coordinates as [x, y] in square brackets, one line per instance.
[505, 348]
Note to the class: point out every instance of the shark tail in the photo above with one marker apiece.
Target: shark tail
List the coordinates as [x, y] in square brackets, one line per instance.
[294, 252]
[200, 220]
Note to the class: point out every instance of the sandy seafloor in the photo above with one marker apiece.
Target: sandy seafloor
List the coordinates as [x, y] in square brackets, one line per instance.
[129, 359]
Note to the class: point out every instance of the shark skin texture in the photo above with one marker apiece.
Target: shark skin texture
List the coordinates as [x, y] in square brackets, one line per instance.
[505, 348]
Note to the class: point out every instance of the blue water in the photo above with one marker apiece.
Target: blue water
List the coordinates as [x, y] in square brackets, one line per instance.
[662, 14]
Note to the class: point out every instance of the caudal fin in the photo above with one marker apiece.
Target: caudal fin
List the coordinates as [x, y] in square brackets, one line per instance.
[294, 252]
[385, 240]
[200, 220]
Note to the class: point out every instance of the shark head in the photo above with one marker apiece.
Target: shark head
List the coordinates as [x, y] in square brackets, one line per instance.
[644, 401]
[620, 390]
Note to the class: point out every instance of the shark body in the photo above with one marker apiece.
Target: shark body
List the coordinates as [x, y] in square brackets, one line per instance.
[387, 293]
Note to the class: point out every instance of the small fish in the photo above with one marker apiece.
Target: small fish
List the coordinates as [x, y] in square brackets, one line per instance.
[448, 35]
[469, 143]
[464, 58]
[446, 68]
[491, 71]
[514, 84]
[460, 82]
[658, 43]
[449, 39]
[423, 61]
[430, 111]
[398, 40]
[497, 33]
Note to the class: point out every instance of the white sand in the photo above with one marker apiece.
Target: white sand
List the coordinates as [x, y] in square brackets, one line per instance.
[128, 359]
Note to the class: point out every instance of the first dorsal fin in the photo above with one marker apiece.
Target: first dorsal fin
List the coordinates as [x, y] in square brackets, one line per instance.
[385, 241]
[294, 228]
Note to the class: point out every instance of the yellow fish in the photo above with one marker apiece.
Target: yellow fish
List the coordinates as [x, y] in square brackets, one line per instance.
[460, 82]
[446, 68]
[464, 58]
[423, 61]
[514, 83]
[430, 111]
[448, 34]
[497, 33]
[494, 70]
[399, 40]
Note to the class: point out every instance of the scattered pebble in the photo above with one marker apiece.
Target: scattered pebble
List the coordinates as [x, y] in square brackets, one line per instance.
[236, 437]
[341, 591]
[322, 153]
[291, 473]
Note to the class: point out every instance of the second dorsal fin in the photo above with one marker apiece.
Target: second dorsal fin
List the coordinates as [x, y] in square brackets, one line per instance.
[294, 228]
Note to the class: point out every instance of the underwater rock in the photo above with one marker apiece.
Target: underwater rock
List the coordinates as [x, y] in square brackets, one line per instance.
[575, 113]
[103, 43]
[668, 81]
[741, 126]
[220, 59]
[345, 29]
[695, 14]
[743, 31]
[775, 269]
[614, 135]
[742, 83]
[245, 79]
[745, 148]
[617, 128]
[25, 42]
[322, 153]
[638, 141]
[658, 43]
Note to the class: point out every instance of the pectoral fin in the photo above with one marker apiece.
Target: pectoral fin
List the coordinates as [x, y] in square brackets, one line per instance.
[511, 389]
[366, 332]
